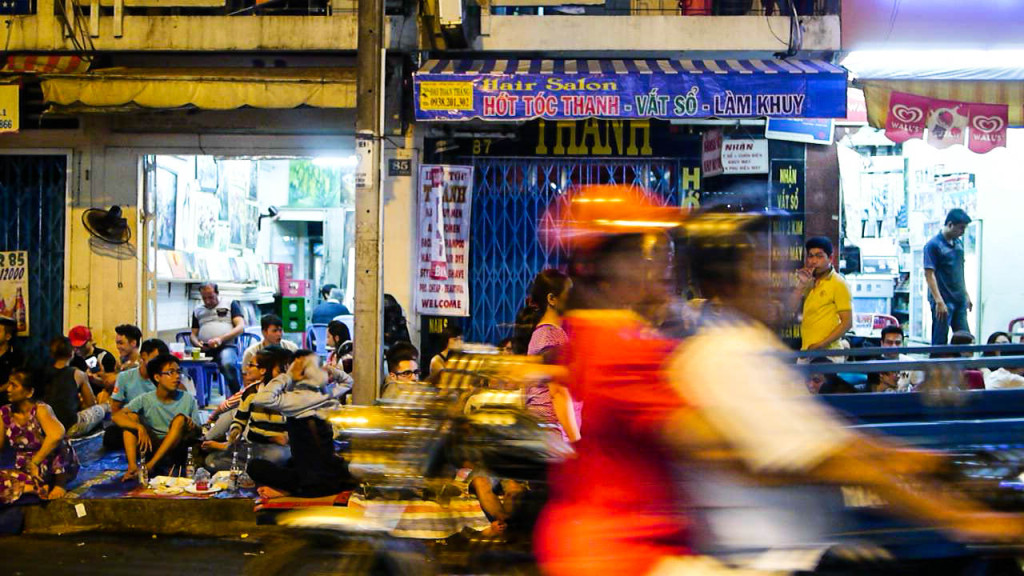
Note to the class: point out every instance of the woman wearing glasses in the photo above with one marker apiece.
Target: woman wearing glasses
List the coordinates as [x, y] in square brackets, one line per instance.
[162, 423]
[263, 430]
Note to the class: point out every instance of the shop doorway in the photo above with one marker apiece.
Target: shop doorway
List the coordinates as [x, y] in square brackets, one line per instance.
[509, 200]
[270, 231]
[895, 199]
[33, 219]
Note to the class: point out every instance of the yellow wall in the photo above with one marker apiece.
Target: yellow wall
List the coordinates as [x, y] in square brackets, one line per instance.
[43, 32]
[102, 289]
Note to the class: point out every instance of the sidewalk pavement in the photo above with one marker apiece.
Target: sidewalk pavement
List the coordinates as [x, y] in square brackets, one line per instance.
[98, 501]
[210, 517]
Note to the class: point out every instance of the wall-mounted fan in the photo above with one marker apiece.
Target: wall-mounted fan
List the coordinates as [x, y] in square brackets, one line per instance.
[107, 225]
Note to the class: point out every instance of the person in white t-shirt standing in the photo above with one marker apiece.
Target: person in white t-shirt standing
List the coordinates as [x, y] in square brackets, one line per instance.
[273, 335]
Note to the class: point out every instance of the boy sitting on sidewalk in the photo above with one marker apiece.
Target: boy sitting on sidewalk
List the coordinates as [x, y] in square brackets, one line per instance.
[166, 419]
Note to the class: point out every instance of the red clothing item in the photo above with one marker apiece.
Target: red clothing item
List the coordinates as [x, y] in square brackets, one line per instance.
[974, 380]
[614, 508]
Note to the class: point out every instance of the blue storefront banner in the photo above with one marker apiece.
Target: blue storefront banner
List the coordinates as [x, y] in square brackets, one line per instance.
[511, 90]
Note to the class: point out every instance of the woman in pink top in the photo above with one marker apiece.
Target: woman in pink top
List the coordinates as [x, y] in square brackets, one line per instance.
[549, 295]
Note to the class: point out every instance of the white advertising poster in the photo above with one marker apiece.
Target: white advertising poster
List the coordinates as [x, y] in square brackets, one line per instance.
[711, 156]
[14, 289]
[364, 160]
[445, 201]
[745, 156]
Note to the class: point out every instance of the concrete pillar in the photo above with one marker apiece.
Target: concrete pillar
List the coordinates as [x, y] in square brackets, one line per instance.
[399, 260]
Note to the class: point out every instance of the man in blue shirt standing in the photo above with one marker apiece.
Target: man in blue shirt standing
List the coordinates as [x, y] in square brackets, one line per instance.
[162, 422]
[944, 273]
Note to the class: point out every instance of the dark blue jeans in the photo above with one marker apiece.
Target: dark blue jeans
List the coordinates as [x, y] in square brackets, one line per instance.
[956, 319]
[226, 358]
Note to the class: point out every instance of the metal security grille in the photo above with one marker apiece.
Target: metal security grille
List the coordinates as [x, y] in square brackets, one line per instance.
[509, 199]
[33, 191]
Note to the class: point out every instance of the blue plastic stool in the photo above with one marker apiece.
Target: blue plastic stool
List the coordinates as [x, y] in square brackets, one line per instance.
[316, 340]
[203, 375]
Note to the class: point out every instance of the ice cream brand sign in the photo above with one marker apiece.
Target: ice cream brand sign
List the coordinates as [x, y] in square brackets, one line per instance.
[982, 126]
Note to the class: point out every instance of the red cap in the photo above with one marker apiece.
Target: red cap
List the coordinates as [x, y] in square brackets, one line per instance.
[79, 335]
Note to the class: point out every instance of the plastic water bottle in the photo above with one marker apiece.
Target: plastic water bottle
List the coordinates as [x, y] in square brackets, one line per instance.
[190, 465]
[202, 480]
[233, 475]
[143, 476]
[244, 480]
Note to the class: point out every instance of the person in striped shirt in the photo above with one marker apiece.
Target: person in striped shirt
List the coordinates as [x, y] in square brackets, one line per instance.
[261, 428]
[219, 422]
[224, 414]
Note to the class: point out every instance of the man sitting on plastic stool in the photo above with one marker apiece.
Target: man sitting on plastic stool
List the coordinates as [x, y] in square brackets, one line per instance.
[215, 326]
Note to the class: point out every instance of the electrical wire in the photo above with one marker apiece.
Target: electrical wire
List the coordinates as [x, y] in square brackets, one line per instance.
[796, 31]
[7, 42]
[892, 18]
[768, 20]
[75, 30]
[796, 34]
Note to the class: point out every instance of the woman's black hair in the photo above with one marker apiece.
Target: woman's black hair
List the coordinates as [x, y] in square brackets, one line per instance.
[273, 357]
[526, 321]
[450, 332]
[342, 336]
[548, 281]
[396, 328]
[339, 330]
[28, 380]
[992, 340]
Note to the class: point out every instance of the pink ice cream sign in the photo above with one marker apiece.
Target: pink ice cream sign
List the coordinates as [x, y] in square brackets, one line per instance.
[981, 126]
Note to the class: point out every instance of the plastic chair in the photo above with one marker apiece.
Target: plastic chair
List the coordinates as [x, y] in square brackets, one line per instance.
[203, 375]
[185, 337]
[348, 320]
[316, 339]
[880, 321]
[243, 342]
[1010, 328]
[246, 339]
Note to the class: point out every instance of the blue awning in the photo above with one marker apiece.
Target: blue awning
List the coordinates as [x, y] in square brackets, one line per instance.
[446, 90]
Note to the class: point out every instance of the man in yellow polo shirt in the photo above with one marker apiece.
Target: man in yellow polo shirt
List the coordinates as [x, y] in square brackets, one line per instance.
[828, 309]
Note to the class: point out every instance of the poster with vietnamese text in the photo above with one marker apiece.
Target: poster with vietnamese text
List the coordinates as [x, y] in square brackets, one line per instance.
[445, 201]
